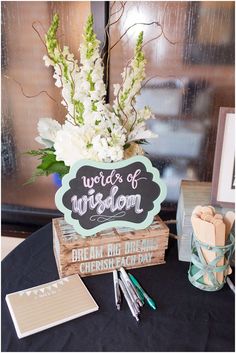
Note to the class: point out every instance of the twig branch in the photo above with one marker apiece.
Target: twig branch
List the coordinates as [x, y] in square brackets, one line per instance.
[30, 96]
[154, 38]
[121, 8]
[165, 77]
[170, 221]
[144, 24]
[113, 4]
[39, 35]
[174, 236]
[106, 29]
[107, 38]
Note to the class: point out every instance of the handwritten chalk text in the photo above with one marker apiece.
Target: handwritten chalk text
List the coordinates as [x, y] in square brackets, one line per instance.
[95, 201]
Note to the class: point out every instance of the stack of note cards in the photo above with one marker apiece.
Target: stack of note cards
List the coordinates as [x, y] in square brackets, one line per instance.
[38, 308]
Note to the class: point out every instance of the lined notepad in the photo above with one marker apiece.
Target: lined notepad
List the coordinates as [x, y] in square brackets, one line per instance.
[38, 308]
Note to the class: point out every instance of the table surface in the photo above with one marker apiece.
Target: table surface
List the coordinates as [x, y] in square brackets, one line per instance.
[187, 319]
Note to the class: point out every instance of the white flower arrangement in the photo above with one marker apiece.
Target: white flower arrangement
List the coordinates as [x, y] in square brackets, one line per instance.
[92, 129]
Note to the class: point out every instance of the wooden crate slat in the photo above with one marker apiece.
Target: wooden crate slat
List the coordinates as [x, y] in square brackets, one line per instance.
[110, 249]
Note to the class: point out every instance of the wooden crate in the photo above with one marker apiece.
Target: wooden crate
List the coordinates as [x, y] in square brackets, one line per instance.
[109, 249]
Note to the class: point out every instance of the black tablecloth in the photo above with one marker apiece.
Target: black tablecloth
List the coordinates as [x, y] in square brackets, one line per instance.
[187, 319]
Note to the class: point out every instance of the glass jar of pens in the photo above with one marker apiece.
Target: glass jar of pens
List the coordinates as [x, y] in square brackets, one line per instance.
[212, 248]
[135, 296]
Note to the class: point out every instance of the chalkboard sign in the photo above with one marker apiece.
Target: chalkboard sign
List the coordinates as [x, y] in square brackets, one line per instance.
[95, 196]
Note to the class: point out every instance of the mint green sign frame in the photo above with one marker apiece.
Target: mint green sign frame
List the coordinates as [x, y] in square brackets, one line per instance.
[117, 223]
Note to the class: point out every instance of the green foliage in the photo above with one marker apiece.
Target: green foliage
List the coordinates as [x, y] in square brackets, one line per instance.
[89, 33]
[79, 108]
[89, 79]
[139, 59]
[90, 37]
[139, 55]
[94, 107]
[36, 174]
[51, 41]
[40, 152]
[56, 55]
[127, 145]
[48, 165]
[53, 48]
[124, 96]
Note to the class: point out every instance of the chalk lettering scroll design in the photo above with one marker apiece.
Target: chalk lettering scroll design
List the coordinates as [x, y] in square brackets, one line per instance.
[95, 196]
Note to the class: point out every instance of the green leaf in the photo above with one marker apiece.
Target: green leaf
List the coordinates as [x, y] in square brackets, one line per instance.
[36, 174]
[127, 145]
[49, 166]
[58, 167]
[141, 142]
[34, 152]
[47, 161]
[40, 152]
[49, 150]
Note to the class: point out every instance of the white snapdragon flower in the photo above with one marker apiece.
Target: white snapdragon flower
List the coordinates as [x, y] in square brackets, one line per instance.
[71, 109]
[140, 133]
[118, 137]
[57, 69]
[47, 61]
[116, 153]
[145, 113]
[94, 96]
[96, 75]
[58, 79]
[100, 87]
[90, 83]
[125, 95]
[87, 108]
[66, 92]
[85, 86]
[47, 129]
[105, 152]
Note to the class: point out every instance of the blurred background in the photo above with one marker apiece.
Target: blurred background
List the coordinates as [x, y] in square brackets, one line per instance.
[190, 74]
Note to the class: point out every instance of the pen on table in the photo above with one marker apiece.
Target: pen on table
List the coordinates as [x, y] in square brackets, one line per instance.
[140, 294]
[149, 300]
[131, 287]
[116, 289]
[230, 284]
[130, 294]
[129, 302]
